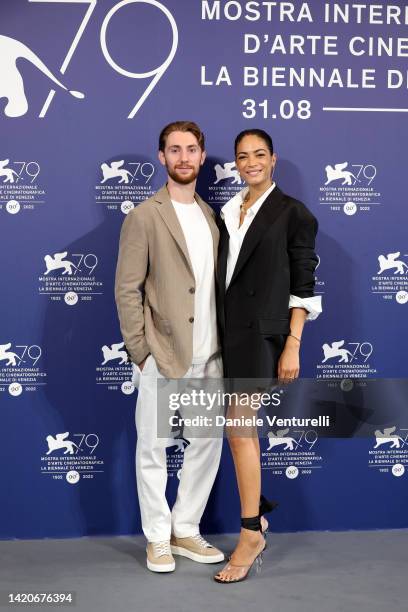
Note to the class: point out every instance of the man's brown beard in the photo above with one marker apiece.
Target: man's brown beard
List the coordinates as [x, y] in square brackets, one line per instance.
[180, 179]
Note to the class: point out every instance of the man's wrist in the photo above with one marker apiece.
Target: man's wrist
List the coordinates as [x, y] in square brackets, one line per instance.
[143, 360]
[134, 355]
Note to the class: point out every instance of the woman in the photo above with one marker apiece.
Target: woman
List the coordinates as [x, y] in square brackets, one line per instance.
[266, 269]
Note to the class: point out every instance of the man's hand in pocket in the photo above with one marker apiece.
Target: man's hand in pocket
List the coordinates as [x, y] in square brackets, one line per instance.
[142, 363]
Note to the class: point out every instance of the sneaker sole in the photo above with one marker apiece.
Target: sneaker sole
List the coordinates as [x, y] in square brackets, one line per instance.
[184, 552]
[154, 567]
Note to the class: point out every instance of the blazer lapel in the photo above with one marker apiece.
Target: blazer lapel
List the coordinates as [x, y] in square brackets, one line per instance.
[169, 216]
[265, 217]
[222, 258]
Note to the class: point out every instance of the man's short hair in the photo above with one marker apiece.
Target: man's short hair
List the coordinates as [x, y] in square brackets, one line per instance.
[181, 126]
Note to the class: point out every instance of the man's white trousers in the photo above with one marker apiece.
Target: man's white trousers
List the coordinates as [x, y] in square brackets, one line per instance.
[200, 466]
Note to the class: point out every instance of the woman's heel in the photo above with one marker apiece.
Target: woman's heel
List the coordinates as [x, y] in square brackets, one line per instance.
[259, 562]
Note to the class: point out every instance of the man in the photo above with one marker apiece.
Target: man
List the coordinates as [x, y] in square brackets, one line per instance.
[165, 294]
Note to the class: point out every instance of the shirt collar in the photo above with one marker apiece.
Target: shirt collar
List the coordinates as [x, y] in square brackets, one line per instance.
[232, 207]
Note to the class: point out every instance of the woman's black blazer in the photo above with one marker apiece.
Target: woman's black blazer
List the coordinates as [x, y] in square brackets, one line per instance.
[277, 259]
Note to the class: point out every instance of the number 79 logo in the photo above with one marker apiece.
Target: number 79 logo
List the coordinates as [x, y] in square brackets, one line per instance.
[155, 73]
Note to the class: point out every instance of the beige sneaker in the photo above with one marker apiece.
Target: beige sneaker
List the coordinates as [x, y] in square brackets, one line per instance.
[196, 548]
[159, 557]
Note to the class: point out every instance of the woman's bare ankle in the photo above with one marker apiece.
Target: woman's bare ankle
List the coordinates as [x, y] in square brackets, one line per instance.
[250, 536]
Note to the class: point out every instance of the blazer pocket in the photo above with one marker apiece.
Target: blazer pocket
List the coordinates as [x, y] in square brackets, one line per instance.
[164, 328]
[274, 327]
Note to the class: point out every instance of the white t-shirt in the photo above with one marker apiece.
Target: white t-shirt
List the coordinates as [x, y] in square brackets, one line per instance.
[199, 242]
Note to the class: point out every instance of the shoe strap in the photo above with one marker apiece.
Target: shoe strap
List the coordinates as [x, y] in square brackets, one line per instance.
[235, 565]
[249, 564]
[253, 523]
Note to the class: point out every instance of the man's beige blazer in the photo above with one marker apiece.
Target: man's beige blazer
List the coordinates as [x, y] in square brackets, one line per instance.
[155, 285]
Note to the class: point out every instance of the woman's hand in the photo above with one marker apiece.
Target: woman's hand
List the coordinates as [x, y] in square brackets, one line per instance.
[288, 364]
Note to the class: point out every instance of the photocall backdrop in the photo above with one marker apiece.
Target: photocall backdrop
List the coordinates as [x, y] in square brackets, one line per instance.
[85, 88]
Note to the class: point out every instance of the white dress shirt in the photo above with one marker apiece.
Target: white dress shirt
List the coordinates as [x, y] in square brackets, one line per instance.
[200, 249]
[230, 213]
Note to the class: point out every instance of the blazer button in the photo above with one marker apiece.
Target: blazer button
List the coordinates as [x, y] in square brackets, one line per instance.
[250, 324]
[192, 290]
[191, 319]
[251, 292]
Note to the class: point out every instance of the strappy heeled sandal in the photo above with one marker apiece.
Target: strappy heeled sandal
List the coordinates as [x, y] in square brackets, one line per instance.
[254, 524]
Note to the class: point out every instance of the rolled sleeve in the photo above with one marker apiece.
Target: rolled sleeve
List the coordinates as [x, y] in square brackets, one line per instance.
[313, 305]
